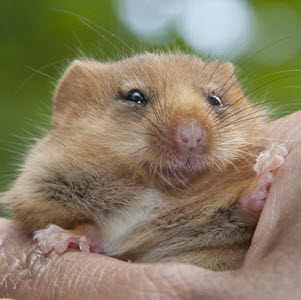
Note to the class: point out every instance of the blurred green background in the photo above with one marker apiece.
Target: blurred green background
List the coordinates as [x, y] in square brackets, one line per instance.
[39, 39]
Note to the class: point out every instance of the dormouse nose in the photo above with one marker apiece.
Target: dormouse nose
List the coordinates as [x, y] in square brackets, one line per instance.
[190, 134]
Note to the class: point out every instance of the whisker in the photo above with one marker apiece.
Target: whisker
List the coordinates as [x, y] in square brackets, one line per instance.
[40, 72]
[241, 122]
[28, 78]
[218, 166]
[255, 89]
[85, 21]
[244, 117]
[274, 73]
[250, 59]
[141, 162]
[227, 116]
[146, 148]
[175, 174]
[165, 180]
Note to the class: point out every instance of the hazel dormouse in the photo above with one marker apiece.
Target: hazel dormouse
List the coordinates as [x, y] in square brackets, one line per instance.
[149, 159]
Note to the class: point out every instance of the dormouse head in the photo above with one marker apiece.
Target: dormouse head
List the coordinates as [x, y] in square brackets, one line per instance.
[169, 116]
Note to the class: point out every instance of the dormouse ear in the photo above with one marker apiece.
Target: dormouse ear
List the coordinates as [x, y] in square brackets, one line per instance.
[76, 90]
[71, 87]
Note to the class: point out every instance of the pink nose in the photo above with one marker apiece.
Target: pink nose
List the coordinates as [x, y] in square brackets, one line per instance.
[190, 135]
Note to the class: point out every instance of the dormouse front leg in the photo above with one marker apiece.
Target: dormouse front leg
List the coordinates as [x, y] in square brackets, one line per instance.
[267, 162]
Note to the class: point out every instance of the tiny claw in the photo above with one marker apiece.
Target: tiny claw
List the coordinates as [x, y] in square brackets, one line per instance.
[83, 246]
[84, 237]
[45, 248]
[270, 159]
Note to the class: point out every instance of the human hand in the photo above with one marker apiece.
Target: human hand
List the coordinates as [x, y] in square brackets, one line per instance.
[271, 270]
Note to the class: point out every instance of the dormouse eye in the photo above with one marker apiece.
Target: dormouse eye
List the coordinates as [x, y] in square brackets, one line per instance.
[135, 96]
[215, 100]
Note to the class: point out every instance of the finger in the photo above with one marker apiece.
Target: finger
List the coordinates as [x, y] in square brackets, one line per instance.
[282, 212]
[28, 274]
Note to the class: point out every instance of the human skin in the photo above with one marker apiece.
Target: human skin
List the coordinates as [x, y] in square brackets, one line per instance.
[271, 270]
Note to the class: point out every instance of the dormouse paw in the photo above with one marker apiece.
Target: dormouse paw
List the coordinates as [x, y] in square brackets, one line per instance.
[270, 159]
[253, 199]
[84, 237]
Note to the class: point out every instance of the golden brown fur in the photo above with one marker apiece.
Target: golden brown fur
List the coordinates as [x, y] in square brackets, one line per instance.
[112, 163]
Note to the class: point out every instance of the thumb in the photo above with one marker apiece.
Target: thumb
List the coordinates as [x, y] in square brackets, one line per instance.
[281, 214]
